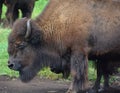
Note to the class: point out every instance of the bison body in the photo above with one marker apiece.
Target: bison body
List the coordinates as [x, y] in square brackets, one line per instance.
[13, 6]
[89, 28]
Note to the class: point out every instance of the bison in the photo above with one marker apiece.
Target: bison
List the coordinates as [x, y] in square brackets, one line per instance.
[89, 28]
[13, 6]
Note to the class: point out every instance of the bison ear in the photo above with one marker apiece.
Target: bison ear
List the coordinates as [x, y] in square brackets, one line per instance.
[33, 33]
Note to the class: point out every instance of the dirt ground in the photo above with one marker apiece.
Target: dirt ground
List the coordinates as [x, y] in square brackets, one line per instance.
[8, 85]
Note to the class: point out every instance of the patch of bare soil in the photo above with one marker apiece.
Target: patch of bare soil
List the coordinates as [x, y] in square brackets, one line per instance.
[9, 85]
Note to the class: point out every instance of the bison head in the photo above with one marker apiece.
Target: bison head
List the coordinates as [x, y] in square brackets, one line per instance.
[24, 43]
[27, 49]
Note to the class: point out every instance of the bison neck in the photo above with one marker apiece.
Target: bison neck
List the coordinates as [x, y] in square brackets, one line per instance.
[47, 58]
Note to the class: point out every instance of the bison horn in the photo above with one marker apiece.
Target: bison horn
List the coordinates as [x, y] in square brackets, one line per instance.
[28, 32]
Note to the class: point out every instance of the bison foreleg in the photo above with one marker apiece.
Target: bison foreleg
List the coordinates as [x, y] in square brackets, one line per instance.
[96, 87]
[79, 67]
[106, 81]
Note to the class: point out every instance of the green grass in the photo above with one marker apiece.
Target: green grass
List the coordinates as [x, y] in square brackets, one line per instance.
[4, 32]
[4, 70]
[39, 5]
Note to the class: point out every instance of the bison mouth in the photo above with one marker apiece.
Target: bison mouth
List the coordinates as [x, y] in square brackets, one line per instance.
[27, 74]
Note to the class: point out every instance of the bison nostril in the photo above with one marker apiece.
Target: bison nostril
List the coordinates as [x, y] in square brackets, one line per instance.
[14, 66]
[10, 65]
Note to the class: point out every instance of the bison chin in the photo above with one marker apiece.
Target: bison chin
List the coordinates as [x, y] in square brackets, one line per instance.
[28, 73]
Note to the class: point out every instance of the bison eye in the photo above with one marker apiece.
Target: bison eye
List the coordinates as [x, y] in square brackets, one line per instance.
[20, 46]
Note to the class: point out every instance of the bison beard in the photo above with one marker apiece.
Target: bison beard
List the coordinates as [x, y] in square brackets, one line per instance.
[42, 59]
[27, 74]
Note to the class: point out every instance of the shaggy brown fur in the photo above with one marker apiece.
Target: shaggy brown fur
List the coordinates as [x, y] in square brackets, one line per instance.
[89, 28]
